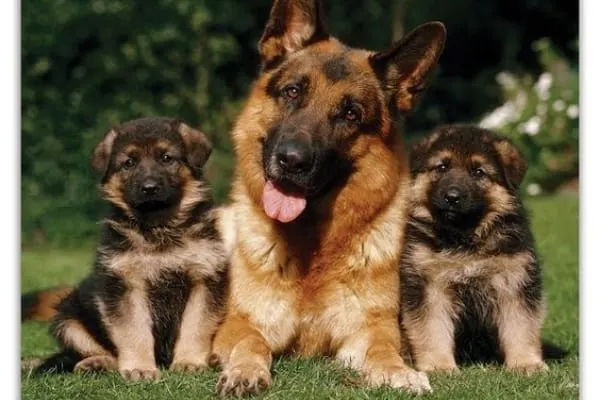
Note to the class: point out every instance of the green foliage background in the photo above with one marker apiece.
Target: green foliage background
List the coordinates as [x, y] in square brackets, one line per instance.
[87, 65]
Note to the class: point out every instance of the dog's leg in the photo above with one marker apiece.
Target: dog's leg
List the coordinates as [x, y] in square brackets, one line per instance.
[131, 331]
[430, 331]
[73, 335]
[198, 326]
[375, 352]
[519, 333]
[245, 358]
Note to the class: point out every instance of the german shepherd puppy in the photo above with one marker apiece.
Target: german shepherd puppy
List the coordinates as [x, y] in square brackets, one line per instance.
[471, 281]
[157, 290]
[318, 202]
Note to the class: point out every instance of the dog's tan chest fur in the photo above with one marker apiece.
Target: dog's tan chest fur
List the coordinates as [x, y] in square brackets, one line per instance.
[446, 268]
[196, 257]
[310, 308]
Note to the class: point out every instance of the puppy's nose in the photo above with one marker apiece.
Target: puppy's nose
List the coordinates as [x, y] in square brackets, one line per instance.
[452, 197]
[150, 187]
[294, 156]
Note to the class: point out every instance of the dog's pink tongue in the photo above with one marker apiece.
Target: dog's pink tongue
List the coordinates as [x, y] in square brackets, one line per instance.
[281, 206]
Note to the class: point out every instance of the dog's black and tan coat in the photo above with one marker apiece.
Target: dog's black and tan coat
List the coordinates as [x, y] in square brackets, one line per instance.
[158, 286]
[471, 280]
[318, 202]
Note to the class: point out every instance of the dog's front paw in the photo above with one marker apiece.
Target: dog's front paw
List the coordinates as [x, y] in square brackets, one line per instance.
[528, 369]
[400, 377]
[244, 379]
[96, 363]
[136, 375]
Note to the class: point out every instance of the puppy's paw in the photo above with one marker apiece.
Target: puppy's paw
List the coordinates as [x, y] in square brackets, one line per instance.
[528, 368]
[244, 379]
[96, 364]
[448, 368]
[400, 377]
[136, 375]
[188, 366]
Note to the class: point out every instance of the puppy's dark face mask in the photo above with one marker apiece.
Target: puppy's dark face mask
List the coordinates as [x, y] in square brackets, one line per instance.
[151, 166]
[149, 172]
[457, 192]
[466, 174]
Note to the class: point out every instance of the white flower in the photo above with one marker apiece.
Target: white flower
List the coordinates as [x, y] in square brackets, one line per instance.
[559, 105]
[500, 116]
[521, 101]
[541, 109]
[532, 126]
[533, 189]
[542, 86]
[573, 111]
[506, 80]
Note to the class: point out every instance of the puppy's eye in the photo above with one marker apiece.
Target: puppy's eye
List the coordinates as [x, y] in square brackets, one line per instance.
[478, 172]
[351, 115]
[441, 168]
[166, 159]
[291, 92]
[129, 163]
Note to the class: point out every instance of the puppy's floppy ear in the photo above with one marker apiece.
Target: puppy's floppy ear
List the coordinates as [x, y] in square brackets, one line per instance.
[101, 153]
[197, 145]
[405, 69]
[292, 25]
[514, 164]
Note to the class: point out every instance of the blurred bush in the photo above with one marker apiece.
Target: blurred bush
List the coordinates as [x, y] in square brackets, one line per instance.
[87, 65]
[541, 115]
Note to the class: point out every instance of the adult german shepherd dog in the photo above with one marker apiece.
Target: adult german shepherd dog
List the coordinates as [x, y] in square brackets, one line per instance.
[319, 202]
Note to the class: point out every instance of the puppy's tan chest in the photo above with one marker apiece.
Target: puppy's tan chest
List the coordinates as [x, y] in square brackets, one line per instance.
[198, 259]
[445, 268]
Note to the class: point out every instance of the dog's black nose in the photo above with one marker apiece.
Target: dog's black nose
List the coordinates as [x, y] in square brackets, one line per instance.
[294, 156]
[452, 197]
[150, 187]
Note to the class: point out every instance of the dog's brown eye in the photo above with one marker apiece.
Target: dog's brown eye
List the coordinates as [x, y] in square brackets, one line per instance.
[165, 158]
[129, 163]
[292, 92]
[442, 168]
[478, 172]
[351, 115]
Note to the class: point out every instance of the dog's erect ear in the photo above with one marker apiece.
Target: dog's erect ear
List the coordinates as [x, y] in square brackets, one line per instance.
[292, 25]
[405, 69]
[514, 165]
[197, 145]
[102, 151]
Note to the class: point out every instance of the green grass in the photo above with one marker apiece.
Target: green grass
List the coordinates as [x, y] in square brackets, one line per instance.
[555, 223]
